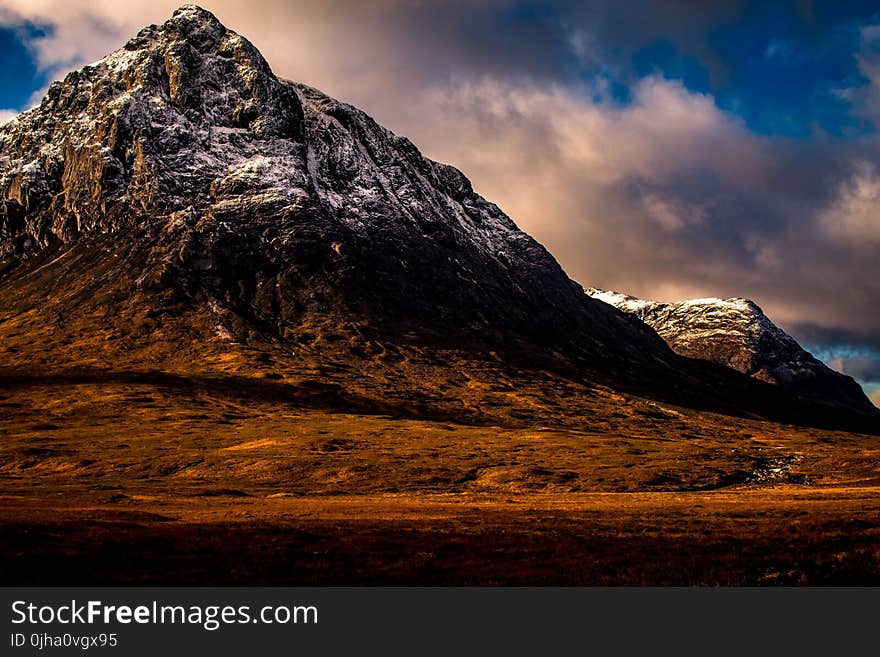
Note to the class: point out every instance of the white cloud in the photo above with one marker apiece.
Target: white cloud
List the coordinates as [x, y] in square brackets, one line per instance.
[855, 215]
[7, 115]
[603, 184]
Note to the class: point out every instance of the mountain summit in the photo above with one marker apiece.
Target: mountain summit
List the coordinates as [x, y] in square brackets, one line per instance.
[271, 203]
[270, 200]
[176, 206]
[736, 333]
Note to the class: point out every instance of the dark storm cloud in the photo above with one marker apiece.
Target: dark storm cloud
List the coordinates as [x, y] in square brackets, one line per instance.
[864, 367]
[854, 354]
[823, 335]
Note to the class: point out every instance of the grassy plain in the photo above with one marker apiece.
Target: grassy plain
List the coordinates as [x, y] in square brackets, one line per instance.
[147, 478]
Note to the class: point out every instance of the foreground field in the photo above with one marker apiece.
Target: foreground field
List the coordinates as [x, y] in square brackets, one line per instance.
[134, 479]
[784, 535]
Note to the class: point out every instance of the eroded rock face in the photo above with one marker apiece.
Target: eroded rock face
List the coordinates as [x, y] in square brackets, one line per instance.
[269, 200]
[144, 131]
[736, 333]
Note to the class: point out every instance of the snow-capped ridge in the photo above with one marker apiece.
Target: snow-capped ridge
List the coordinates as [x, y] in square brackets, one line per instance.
[184, 113]
[736, 333]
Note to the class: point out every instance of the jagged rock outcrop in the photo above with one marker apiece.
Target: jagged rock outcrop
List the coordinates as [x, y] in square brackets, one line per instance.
[736, 333]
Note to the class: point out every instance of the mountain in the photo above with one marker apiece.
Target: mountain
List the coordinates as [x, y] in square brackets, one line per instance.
[176, 207]
[736, 333]
[269, 201]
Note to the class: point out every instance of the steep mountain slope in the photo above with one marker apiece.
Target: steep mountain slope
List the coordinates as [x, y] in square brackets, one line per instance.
[736, 333]
[177, 207]
[266, 200]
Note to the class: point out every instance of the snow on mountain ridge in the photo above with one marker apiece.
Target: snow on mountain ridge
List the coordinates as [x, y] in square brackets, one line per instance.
[213, 118]
[736, 333]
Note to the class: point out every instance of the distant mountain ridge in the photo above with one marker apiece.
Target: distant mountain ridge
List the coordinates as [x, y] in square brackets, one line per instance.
[736, 333]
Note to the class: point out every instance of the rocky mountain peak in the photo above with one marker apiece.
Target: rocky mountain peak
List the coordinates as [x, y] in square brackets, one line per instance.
[192, 17]
[146, 130]
[269, 202]
[736, 333]
[209, 73]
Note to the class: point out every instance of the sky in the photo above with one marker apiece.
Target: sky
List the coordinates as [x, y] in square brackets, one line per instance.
[666, 149]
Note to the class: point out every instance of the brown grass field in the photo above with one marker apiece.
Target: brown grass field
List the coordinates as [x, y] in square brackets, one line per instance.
[146, 478]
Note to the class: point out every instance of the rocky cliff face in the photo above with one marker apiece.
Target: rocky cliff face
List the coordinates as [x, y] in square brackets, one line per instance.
[736, 333]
